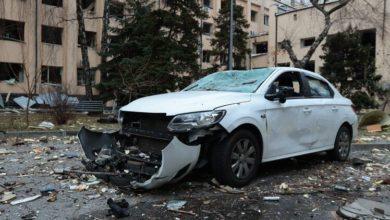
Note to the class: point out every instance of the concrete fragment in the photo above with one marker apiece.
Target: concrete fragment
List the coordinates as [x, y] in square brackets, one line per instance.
[28, 199]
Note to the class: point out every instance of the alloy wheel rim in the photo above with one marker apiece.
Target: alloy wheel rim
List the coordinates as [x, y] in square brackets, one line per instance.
[243, 158]
[344, 143]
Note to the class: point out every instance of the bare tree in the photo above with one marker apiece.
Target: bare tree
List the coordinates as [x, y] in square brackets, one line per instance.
[320, 6]
[84, 51]
[106, 24]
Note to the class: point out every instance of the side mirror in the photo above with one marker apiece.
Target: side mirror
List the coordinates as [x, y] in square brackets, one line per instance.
[281, 94]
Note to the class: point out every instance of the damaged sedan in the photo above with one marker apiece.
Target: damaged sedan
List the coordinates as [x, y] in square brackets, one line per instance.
[230, 121]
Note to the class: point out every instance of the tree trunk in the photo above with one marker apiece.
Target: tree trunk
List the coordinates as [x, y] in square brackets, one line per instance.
[104, 41]
[84, 51]
[286, 43]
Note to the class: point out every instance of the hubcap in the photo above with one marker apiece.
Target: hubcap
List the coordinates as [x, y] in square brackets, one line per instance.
[243, 158]
[344, 143]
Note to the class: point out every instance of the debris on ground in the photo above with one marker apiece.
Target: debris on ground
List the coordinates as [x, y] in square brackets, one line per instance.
[341, 188]
[7, 196]
[271, 198]
[52, 196]
[28, 199]
[23, 101]
[224, 188]
[365, 209]
[176, 204]
[46, 125]
[359, 161]
[374, 128]
[4, 151]
[119, 209]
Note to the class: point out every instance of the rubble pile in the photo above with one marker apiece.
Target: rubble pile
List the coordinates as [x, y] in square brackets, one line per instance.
[44, 178]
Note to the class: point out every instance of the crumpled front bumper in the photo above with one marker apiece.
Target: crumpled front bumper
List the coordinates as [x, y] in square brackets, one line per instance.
[177, 158]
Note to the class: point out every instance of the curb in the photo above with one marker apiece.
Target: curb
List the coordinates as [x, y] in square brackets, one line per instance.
[38, 133]
[359, 147]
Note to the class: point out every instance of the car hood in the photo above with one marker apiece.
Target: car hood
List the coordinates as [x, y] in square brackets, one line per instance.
[187, 101]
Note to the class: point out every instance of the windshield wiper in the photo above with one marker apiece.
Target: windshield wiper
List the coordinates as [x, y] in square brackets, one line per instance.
[196, 85]
[250, 82]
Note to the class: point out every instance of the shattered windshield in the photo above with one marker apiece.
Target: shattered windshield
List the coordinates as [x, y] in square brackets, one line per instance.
[232, 81]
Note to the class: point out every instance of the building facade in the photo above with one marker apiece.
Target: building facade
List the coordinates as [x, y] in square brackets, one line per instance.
[39, 41]
[301, 26]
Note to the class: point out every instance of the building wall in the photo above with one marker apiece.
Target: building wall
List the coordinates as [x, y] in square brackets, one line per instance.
[34, 53]
[257, 27]
[307, 23]
[67, 55]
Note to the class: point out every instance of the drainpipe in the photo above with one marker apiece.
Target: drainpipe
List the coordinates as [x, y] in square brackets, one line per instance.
[36, 46]
[384, 19]
[276, 40]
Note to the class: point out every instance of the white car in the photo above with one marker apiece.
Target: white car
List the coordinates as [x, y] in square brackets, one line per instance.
[232, 121]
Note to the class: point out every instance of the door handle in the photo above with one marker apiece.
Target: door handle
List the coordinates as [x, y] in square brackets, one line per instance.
[334, 109]
[307, 110]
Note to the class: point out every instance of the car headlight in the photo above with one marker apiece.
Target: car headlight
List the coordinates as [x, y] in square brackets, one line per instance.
[187, 122]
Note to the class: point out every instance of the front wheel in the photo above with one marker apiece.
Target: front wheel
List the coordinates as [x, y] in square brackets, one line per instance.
[236, 159]
[342, 145]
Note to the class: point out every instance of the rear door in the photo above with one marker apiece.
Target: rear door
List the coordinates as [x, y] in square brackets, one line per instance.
[324, 110]
[289, 125]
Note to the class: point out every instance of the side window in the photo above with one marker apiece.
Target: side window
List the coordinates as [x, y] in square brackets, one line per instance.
[319, 88]
[288, 79]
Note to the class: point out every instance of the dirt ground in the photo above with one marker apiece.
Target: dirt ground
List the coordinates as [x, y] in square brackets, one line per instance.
[305, 185]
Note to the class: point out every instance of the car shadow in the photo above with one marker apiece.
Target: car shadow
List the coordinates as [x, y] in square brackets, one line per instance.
[269, 171]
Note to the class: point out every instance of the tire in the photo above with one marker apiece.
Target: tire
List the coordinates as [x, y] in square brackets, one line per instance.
[234, 164]
[342, 145]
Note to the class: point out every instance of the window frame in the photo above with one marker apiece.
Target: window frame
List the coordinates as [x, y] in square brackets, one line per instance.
[60, 3]
[46, 70]
[301, 79]
[20, 28]
[53, 28]
[266, 21]
[210, 30]
[309, 94]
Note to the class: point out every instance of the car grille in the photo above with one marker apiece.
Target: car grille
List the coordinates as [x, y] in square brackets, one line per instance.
[148, 130]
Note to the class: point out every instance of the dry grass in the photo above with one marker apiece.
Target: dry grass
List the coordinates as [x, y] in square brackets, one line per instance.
[17, 122]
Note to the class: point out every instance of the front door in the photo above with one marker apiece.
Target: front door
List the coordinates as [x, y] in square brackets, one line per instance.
[289, 125]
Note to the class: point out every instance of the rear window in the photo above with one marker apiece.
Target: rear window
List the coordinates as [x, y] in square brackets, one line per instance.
[319, 88]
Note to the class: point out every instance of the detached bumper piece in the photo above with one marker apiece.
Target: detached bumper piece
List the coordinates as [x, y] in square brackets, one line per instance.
[138, 162]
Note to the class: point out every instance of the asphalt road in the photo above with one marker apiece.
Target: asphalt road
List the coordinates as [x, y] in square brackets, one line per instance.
[305, 185]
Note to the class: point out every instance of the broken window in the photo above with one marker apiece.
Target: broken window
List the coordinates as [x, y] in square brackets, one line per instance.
[253, 16]
[207, 28]
[318, 88]
[51, 74]
[260, 48]
[88, 5]
[81, 78]
[91, 39]
[117, 9]
[290, 80]
[9, 71]
[266, 20]
[207, 3]
[11, 30]
[233, 81]
[52, 35]
[206, 56]
[57, 3]
[307, 42]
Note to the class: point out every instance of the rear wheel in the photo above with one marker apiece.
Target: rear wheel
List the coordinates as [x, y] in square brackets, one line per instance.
[235, 160]
[342, 145]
